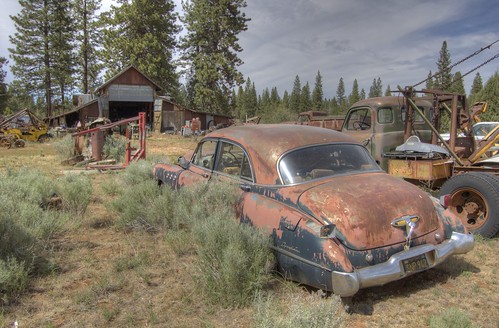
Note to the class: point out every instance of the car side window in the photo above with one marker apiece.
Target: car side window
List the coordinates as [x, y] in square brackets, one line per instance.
[205, 154]
[233, 161]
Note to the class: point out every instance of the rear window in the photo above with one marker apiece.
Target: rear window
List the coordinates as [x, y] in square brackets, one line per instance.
[320, 161]
[385, 115]
[417, 117]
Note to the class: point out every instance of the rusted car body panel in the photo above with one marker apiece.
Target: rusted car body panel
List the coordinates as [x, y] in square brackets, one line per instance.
[335, 230]
[382, 123]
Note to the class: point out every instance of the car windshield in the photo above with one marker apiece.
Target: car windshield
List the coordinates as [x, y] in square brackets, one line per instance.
[321, 161]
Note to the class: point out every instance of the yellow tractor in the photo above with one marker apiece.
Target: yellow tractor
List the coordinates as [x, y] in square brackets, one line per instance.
[22, 126]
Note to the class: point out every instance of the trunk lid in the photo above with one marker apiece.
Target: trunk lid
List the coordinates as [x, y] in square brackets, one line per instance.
[363, 207]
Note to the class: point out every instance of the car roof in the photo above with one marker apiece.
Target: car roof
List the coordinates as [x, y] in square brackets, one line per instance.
[265, 143]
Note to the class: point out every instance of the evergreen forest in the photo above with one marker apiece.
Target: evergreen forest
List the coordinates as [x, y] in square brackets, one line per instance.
[66, 47]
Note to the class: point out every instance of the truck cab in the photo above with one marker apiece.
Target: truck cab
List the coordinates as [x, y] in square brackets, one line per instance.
[378, 123]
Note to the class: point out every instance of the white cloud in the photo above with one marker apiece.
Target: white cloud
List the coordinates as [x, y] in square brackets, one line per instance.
[358, 39]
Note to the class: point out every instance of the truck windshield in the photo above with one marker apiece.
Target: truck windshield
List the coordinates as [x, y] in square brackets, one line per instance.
[321, 161]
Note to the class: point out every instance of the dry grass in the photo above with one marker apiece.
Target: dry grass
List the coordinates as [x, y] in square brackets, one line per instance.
[111, 278]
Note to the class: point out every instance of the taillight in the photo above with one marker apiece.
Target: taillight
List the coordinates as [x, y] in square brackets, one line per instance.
[445, 200]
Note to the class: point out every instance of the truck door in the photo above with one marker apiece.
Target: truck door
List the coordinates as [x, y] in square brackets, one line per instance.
[359, 125]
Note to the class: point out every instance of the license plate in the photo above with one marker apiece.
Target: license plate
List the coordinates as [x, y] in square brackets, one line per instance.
[415, 264]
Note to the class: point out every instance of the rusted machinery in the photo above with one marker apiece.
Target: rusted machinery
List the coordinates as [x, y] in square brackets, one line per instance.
[96, 138]
[471, 179]
[23, 125]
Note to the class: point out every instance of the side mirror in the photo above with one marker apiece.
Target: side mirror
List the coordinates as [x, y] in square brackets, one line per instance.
[183, 163]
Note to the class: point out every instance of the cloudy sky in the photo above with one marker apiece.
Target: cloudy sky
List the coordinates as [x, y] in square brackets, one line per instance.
[396, 40]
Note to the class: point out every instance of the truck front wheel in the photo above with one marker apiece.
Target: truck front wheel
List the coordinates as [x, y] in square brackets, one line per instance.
[475, 196]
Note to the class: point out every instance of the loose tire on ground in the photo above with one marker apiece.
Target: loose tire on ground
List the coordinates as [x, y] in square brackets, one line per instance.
[476, 198]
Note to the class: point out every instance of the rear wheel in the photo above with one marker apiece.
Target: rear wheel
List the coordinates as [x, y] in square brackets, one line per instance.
[476, 198]
[5, 142]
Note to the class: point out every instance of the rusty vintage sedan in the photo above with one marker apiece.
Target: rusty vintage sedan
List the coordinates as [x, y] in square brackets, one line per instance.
[337, 221]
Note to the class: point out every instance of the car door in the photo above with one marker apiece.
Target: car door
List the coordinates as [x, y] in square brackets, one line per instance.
[201, 165]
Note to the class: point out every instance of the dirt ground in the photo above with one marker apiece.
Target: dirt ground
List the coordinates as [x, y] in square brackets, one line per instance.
[112, 278]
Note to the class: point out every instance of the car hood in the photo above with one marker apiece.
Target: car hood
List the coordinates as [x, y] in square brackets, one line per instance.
[363, 206]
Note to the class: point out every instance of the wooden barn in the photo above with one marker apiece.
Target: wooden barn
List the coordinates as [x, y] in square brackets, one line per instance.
[171, 117]
[125, 95]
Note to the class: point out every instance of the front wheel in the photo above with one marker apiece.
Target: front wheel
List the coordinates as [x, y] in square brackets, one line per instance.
[476, 199]
[43, 138]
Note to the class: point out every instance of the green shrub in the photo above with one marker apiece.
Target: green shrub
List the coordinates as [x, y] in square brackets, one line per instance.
[451, 318]
[13, 278]
[113, 186]
[65, 147]
[27, 185]
[28, 220]
[307, 311]
[115, 147]
[76, 193]
[233, 259]
[132, 205]
[137, 172]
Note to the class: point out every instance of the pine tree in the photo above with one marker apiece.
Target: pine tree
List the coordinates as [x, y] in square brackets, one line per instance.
[305, 99]
[32, 50]
[285, 99]
[142, 33]
[274, 96]
[335, 107]
[388, 92]
[88, 41]
[318, 93]
[362, 94]
[458, 84]
[429, 81]
[211, 46]
[476, 87]
[3, 86]
[444, 78]
[340, 95]
[265, 99]
[490, 94]
[354, 95]
[376, 89]
[250, 99]
[294, 100]
[63, 58]
[240, 103]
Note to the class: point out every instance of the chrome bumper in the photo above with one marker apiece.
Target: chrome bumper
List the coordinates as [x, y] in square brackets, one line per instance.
[346, 284]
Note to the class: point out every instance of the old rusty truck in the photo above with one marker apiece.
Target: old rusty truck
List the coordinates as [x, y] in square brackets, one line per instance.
[402, 134]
